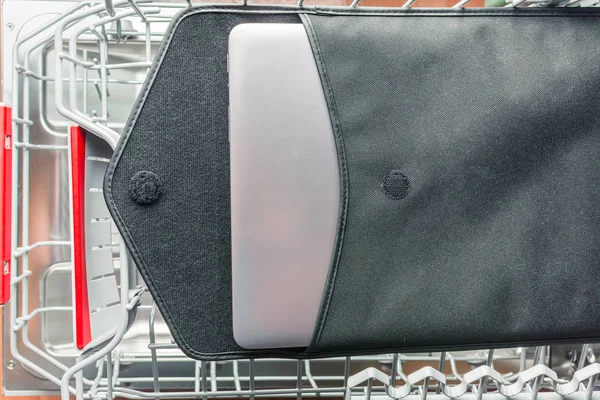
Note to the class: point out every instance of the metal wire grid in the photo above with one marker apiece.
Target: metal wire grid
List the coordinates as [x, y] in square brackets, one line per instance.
[234, 378]
[24, 82]
[208, 383]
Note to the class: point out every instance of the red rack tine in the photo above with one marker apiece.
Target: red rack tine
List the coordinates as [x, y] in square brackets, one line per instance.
[6, 199]
[83, 333]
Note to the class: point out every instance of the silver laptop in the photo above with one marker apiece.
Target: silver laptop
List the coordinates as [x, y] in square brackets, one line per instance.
[285, 189]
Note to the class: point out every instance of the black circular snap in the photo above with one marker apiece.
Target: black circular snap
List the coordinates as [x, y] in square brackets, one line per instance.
[144, 187]
[395, 185]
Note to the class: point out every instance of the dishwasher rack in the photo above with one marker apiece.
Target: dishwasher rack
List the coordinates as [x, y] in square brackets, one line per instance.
[83, 64]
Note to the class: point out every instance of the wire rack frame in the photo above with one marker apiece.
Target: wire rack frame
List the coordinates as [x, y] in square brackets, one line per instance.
[532, 379]
[20, 273]
[23, 84]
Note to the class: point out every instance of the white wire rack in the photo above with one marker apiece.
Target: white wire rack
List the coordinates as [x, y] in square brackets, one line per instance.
[84, 64]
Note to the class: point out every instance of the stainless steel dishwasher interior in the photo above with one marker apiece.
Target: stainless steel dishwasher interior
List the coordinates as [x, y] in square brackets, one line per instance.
[49, 284]
[56, 334]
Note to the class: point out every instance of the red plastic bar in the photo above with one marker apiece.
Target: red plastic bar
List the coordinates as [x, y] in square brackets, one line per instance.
[6, 200]
[83, 332]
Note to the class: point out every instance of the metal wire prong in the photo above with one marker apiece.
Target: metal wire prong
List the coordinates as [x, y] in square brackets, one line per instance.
[394, 372]
[515, 3]
[346, 372]
[109, 376]
[236, 376]
[196, 376]
[590, 387]
[369, 389]
[441, 365]
[425, 389]
[584, 353]
[538, 358]
[523, 359]
[408, 4]
[252, 383]
[137, 10]
[484, 381]
[204, 379]
[309, 376]
[299, 379]
[569, 3]
[152, 337]
[110, 7]
[213, 376]
[461, 4]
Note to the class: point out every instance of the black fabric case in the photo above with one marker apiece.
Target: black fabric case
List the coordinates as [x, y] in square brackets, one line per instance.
[468, 145]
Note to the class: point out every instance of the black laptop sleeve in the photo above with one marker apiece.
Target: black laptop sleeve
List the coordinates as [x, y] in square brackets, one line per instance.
[468, 144]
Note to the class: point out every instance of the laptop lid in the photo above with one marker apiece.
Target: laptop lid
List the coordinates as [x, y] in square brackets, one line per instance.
[285, 187]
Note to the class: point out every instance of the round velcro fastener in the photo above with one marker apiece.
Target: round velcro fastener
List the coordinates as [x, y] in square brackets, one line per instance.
[144, 187]
[395, 185]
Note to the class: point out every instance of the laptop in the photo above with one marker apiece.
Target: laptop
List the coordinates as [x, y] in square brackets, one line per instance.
[285, 185]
